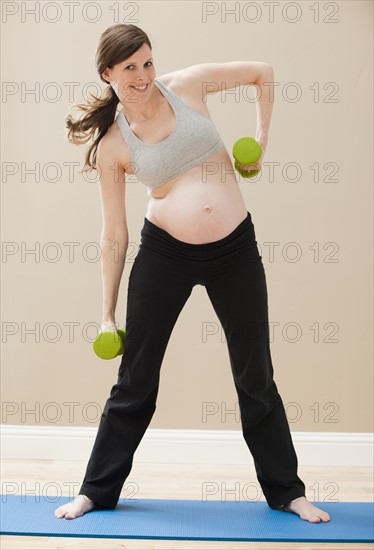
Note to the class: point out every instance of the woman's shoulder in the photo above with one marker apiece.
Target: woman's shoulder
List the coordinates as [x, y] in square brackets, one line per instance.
[179, 81]
[114, 148]
[184, 83]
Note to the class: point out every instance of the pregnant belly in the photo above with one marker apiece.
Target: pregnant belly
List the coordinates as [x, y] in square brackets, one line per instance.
[197, 212]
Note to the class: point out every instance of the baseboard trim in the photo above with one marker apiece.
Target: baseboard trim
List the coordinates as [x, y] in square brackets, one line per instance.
[184, 446]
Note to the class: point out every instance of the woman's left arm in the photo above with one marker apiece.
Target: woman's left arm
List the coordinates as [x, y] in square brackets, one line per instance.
[264, 106]
[212, 77]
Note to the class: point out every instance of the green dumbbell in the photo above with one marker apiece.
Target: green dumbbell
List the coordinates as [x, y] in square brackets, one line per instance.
[109, 344]
[246, 151]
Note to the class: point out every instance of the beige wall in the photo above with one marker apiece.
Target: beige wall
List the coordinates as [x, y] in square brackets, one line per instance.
[325, 378]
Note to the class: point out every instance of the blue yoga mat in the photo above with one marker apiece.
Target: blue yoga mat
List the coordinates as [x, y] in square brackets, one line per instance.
[187, 520]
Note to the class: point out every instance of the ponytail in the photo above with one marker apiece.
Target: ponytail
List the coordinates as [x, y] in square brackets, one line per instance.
[100, 115]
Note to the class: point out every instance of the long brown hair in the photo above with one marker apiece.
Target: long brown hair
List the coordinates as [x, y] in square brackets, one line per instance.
[117, 43]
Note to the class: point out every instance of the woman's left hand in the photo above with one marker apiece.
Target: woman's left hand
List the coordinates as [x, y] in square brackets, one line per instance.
[257, 165]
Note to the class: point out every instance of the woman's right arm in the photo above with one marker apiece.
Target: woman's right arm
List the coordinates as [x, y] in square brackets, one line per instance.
[114, 235]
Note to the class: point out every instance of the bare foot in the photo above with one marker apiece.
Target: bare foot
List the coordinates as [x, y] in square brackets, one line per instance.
[306, 510]
[79, 506]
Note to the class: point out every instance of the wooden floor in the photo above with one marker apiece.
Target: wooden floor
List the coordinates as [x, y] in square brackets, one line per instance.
[177, 481]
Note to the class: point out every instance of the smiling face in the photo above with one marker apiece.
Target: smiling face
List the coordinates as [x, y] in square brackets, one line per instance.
[133, 79]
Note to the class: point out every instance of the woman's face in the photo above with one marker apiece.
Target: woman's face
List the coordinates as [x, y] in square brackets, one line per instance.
[135, 72]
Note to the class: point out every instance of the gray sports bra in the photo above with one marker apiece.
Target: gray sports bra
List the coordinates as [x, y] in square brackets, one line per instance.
[194, 139]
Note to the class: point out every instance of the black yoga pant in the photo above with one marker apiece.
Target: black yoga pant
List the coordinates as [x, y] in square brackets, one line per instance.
[161, 279]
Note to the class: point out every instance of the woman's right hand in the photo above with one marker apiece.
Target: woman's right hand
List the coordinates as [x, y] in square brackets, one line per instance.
[108, 324]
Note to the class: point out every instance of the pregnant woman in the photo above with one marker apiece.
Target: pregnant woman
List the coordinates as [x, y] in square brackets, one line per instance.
[197, 231]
